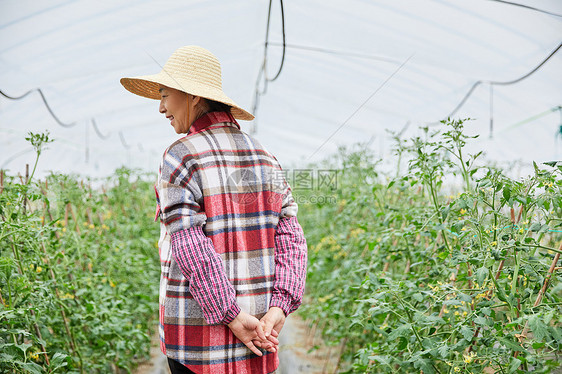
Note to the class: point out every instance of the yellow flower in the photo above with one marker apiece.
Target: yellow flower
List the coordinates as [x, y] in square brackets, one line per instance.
[34, 356]
[457, 369]
[67, 296]
[85, 223]
[521, 231]
[469, 358]
[64, 229]
[457, 313]
[464, 314]
[91, 226]
[356, 232]
[111, 284]
[105, 227]
[464, 229]
[463, 211]
[445, 310]
[494, 243]
[39, 269]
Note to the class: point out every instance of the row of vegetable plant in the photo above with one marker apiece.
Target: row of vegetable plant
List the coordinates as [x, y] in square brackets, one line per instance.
[445, 265]
[78, 272]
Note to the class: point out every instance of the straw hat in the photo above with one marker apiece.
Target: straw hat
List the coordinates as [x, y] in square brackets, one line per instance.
[190, 69]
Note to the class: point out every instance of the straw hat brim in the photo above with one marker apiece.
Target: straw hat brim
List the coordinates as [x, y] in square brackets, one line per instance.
[148, 86]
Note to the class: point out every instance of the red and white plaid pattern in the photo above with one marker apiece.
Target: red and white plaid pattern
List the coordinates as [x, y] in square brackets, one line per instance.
[229, 241]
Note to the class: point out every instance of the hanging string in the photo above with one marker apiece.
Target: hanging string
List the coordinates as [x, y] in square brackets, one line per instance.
[502, 83]
[127, 146]
[98, 132]
[491, 111]
[262, 74]
[44, 101]
[528, 7]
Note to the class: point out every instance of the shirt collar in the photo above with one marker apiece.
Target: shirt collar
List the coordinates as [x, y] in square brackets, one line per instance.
[211, 118]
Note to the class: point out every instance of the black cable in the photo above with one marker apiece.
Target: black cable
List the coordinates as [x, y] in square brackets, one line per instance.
[532, 71]
[98, 132]
[16, 98]
[127, 146]
[503, 83]
[52, 113]
[284, 44]
[528, 7]
[263, 69]
[44, 101]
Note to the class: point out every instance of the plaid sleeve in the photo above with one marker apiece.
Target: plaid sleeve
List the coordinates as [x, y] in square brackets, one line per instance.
[290, 265]
[179, 193]
[289, 206]
[202, 266]
[180, 198]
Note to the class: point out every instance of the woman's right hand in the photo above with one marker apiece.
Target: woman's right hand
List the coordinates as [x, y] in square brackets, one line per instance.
[248, 329]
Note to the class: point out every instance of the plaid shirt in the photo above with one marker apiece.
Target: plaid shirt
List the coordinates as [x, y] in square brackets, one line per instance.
[229, 241]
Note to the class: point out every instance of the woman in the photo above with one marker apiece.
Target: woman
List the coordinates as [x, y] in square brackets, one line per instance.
[232, 252]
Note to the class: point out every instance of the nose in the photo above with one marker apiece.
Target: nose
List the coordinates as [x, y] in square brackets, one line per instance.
[162, 108]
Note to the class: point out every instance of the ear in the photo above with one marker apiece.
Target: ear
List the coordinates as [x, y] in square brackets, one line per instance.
[195, 100]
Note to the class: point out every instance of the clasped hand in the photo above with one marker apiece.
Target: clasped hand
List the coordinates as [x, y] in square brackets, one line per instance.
[256, 333]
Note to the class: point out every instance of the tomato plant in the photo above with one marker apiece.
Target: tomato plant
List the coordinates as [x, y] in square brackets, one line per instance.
[443, 265]
[79, 272]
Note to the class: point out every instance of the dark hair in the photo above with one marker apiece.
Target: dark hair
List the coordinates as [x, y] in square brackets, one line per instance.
[215, 106]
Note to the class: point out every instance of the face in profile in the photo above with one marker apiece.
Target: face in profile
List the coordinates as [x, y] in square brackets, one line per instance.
[173, 104]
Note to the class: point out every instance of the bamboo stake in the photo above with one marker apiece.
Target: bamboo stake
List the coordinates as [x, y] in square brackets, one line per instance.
[73, 214]
[344, 343]
[521, 337]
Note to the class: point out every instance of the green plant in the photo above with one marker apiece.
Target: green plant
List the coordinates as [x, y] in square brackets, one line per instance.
[78, 273]
[407, 276]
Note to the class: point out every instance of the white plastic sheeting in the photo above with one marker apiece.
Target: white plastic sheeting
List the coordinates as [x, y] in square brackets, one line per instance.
[76, 51]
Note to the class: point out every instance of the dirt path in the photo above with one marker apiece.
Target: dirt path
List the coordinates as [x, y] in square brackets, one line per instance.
[295, 343]
[295, 355]
[158, 363]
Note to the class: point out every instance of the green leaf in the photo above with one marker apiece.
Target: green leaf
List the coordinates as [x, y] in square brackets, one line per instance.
[467, 333]
[506, 193]
[481, 321]
[539, 328]
[32, 367]
[418, 297]
[24, 347]
[403, 330]
[481, 275]
[443, 350]
[403, 343]
[385, 360]
[514, 365]
[511, 344]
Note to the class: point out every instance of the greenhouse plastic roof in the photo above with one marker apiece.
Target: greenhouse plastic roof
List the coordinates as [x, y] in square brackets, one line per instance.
[352, 70]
